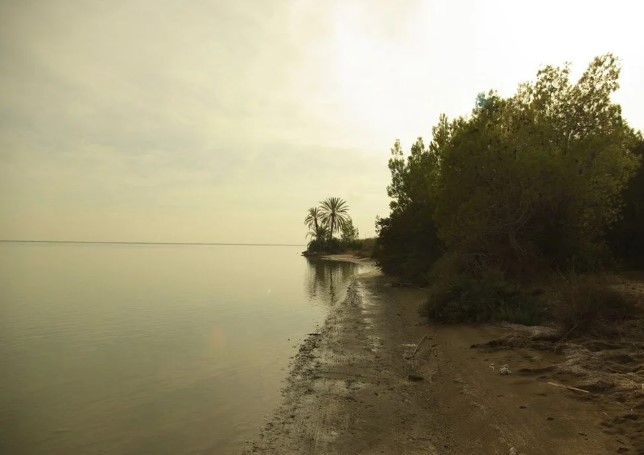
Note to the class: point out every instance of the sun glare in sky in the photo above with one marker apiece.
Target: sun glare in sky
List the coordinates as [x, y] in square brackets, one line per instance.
[225, 121]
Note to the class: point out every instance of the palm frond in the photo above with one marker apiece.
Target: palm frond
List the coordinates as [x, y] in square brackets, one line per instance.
[318, 233]
[333, 212]
[313, 218]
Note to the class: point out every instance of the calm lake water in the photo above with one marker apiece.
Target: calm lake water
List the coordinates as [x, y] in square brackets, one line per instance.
[150, 349]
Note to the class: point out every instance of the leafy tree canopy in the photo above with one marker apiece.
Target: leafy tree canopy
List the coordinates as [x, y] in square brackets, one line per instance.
[523, 183]
[334, 213]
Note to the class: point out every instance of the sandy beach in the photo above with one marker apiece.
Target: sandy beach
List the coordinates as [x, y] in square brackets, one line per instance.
[377, 378]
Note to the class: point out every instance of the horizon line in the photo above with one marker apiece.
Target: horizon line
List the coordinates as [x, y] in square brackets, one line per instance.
[110, 242]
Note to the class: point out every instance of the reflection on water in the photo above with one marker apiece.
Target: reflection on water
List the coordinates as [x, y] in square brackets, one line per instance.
[135, 349]
[328, 280]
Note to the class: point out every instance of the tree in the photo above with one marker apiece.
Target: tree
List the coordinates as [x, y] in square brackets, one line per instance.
[323, 221]
[626, 238]
[524, 184]
[334, 213]
[313, 219]
[536, 179]
[408, 244]
[349, 232]
[319, 238]
[318, 232]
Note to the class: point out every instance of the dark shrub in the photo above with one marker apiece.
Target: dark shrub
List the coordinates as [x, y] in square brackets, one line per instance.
[328, 245]
[590, 304]
[465, 298]
[408, 244]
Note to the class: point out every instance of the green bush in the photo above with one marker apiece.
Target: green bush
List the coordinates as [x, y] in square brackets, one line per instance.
[626, 237]
[362, 247]
[327, 245]
[351, 245]
[367, 247]
[465, 298]
[407, 244]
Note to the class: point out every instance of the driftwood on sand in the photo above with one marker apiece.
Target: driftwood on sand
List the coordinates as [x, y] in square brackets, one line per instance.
[568, 387]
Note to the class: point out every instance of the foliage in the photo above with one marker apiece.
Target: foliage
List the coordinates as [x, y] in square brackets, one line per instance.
[332, 216]
[535, 180]
[407, 240]
[465, 298]
[590, 304]
[349, 232]
[327, 245]
[407, 244]
[318, 232]
[626, 239]
[523, 186]
[313, 219]
[334, 213]
[367, 247]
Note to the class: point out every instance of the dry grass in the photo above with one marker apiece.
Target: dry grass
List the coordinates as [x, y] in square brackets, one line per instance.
[592, 304]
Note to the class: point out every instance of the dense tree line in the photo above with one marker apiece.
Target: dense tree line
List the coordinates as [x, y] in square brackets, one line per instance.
[521, 187]
[626, 237]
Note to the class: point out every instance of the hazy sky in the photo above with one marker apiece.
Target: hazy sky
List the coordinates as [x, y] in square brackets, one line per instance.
[225, 120]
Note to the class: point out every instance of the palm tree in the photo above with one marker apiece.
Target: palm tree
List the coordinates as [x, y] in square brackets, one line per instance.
[313, 219]
[318, 232]
[318, 237]
[334, 213]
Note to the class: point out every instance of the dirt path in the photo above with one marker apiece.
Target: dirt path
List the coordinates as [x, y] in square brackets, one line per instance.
[354, 390]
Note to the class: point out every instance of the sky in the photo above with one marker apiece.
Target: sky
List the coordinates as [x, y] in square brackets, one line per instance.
[224, 121]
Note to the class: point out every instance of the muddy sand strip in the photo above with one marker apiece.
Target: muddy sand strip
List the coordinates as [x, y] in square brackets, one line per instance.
[377, 379]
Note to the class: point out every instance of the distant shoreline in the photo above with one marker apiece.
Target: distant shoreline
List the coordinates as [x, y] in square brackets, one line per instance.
[148, 243]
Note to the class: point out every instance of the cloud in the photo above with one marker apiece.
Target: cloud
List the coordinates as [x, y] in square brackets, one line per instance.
[226, 120]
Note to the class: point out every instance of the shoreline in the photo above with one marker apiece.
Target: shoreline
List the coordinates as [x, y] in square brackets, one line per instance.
[377, 378]
[341, 257]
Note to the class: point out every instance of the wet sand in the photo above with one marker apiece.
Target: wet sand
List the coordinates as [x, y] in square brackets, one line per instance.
[366, 384]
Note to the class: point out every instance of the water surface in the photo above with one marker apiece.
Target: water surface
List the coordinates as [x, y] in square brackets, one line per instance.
[150, 349]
